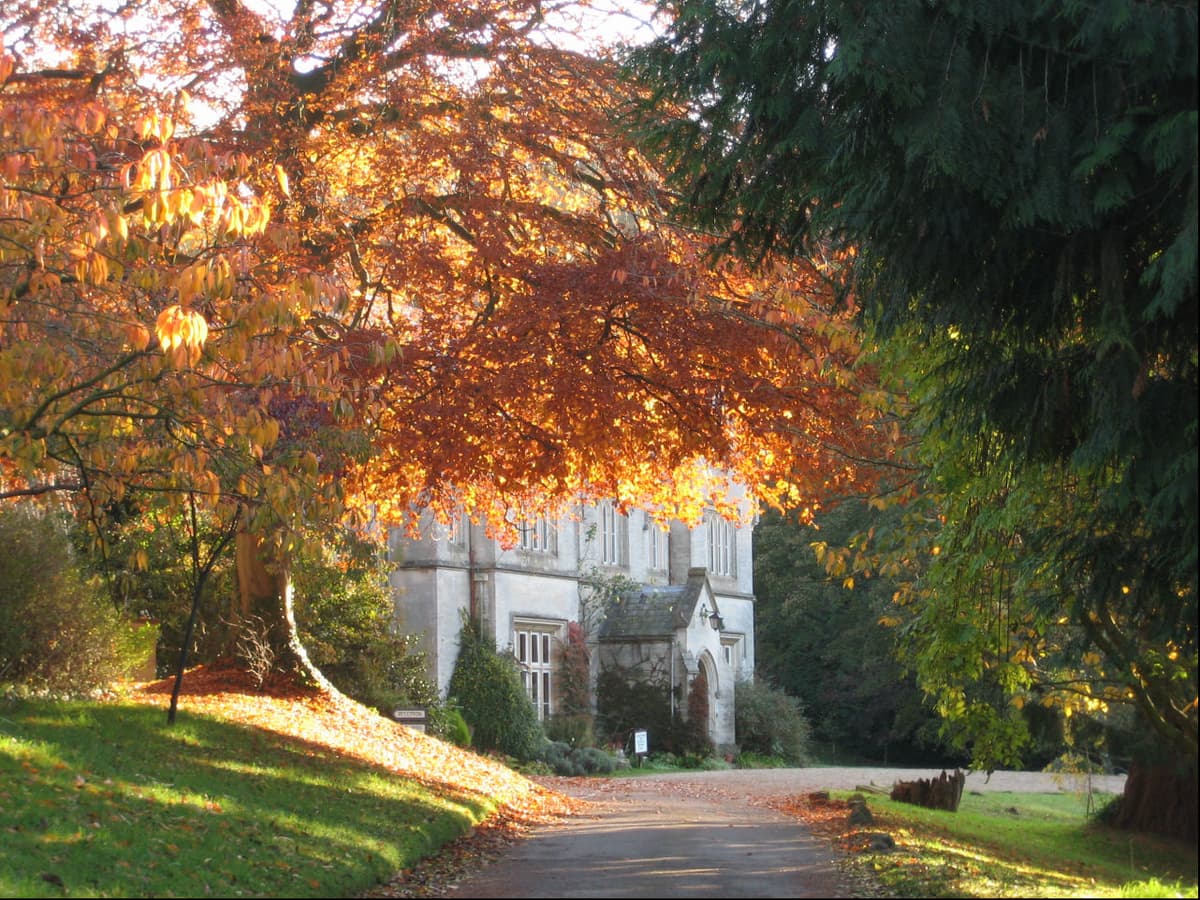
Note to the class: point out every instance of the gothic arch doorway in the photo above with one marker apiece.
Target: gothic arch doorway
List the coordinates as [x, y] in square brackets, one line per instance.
[702, 698]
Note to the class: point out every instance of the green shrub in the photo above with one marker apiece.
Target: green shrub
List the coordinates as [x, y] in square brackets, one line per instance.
[770, 723]
[344, 610]
[453, 727]
[629, 699]
[146, 568]
[747, 759]
[487, 687]
[563, 759]
[58, 633]
[573, 730]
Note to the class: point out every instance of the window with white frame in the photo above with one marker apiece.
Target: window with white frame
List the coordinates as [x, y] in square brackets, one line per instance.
[657, 546]
[613, 532]
[731, 650]
[538, 535]
[533, 646]
[454, 532]
[722, 546]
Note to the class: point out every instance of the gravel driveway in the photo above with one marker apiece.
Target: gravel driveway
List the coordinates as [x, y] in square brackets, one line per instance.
[765, 783]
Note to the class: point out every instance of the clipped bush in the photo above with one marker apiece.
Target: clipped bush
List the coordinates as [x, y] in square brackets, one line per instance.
[57, 632]
[563, 759]
[487, 687]
[769, 722]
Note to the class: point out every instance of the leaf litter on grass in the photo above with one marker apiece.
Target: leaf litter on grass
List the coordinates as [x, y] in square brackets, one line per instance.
[335, 725]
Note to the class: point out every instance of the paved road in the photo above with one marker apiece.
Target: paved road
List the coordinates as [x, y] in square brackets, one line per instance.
[697, 835]
[646, 843]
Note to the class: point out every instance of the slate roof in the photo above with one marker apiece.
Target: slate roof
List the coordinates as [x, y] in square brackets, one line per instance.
[653, 610]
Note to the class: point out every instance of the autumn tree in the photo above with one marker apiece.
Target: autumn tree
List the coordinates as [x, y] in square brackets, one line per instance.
[366, 260]
[1019, 183]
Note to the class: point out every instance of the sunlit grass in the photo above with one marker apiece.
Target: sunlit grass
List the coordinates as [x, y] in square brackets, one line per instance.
[107, 801]
[1022, 845]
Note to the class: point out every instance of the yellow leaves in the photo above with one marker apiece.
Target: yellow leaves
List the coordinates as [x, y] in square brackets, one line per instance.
[282, 177]
[182, 333]
[7, 63]
[154, 173]
[156, 126]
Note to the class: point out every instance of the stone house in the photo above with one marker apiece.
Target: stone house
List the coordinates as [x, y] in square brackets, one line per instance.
[691, 615]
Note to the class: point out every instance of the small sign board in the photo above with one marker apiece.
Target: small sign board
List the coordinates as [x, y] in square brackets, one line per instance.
[413, 718]
[641, 743]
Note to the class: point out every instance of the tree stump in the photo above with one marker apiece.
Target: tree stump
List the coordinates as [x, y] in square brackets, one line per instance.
[943, 792]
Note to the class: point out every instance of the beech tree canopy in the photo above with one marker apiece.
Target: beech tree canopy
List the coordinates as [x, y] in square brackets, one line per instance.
[345, 258]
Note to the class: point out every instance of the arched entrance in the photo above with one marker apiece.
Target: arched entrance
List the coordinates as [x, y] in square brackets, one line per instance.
[702, 699]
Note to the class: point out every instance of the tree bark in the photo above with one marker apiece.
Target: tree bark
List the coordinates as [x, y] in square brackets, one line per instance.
[265, 594]
[1160, 799]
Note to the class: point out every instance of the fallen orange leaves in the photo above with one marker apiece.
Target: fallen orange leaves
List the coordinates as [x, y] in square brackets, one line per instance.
[827, 818]
[350, 730]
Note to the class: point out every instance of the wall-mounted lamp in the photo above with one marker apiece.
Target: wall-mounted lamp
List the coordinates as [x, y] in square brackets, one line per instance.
[714, 618]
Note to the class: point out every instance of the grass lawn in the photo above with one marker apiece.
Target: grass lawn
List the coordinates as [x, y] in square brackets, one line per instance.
[1012, 845]
[291, 793]
[247, 794]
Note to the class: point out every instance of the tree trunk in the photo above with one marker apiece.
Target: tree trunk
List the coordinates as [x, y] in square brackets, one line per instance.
[265, 598]
[1160, 799]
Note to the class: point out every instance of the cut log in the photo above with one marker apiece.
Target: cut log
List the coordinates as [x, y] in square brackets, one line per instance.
[943, 792]
[870, 788]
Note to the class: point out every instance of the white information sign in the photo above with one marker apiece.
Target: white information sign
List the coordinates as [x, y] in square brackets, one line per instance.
[640, 742]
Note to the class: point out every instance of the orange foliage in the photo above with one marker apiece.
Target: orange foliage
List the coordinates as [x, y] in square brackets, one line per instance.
[331, 720]
[415, 230]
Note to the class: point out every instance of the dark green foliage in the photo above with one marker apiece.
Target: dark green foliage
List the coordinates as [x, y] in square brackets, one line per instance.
[771, 723]
[824, 644]
[573, 761]
[487, 687]
[575, 731]
[1019, 182]
[344, 615]
[57, 631]
[161, 586]
[629, 700]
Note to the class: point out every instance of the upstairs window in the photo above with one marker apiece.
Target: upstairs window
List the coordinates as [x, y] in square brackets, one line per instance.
[538, 535]
[657, 546]
[722, 546]
[613, 531]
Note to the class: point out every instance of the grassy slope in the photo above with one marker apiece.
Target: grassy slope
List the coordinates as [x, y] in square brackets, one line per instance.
[287, 793]
[1006, 845]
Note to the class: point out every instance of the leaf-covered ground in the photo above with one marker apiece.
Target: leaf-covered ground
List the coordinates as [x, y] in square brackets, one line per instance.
[348, 729]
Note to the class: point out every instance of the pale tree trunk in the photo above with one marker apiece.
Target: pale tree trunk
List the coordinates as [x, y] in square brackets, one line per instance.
[265, 598]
